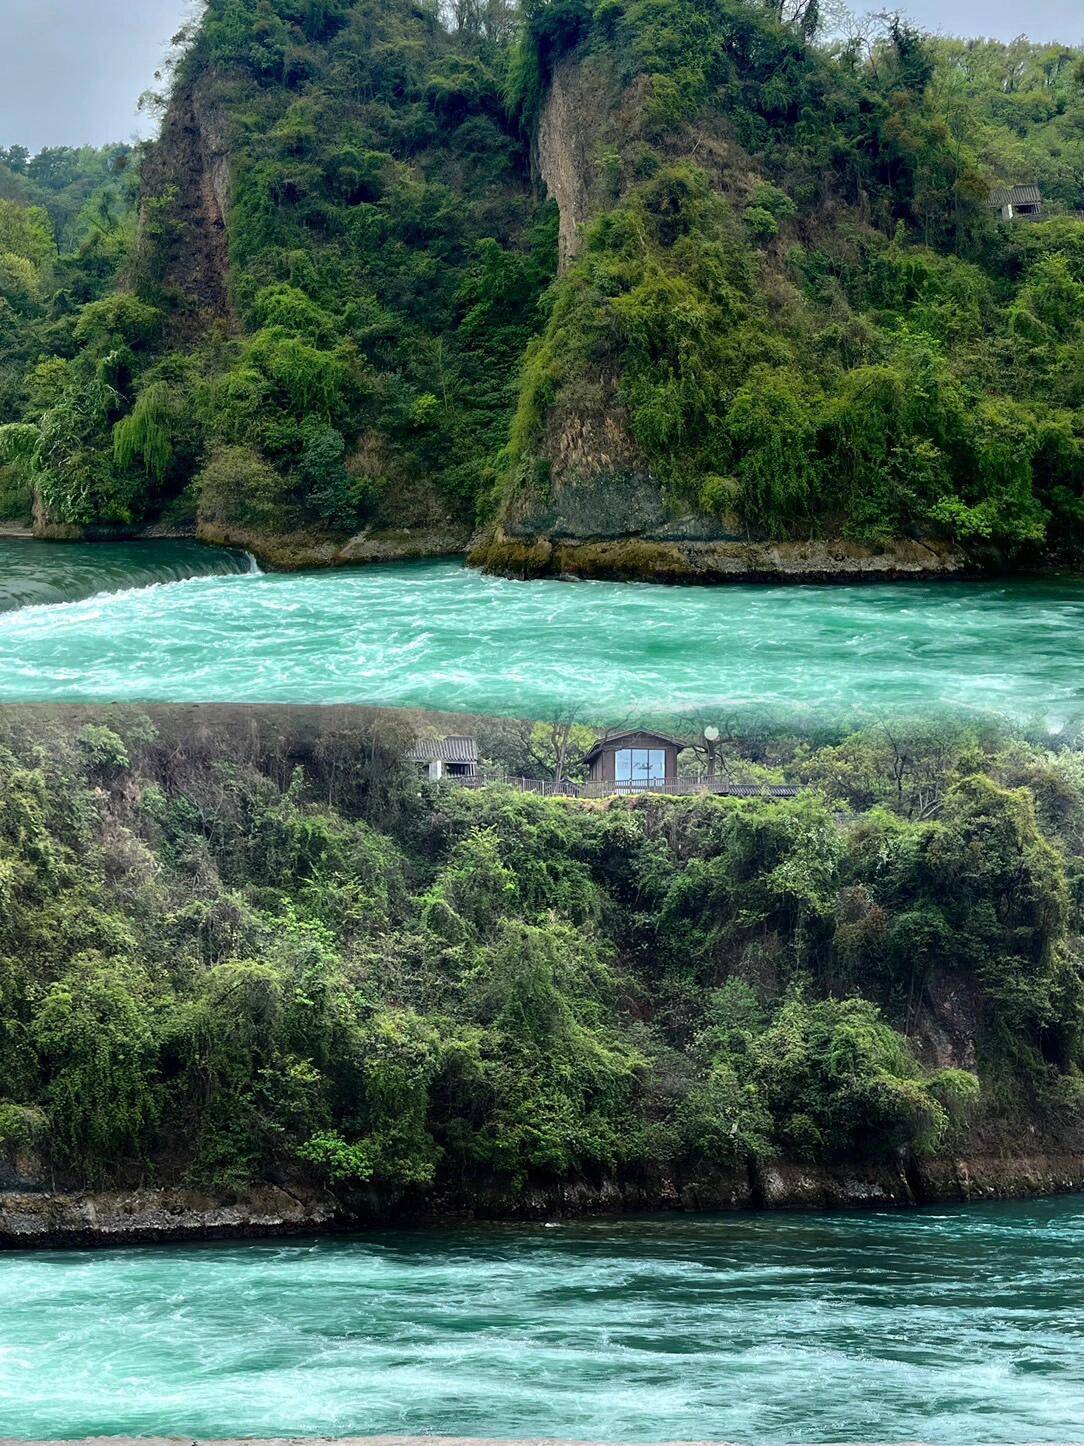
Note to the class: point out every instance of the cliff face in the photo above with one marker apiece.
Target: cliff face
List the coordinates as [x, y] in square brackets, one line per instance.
[741, 374]
[183, 244]
[344, 196]
[582, 123]
[592, 502]
[597, 484]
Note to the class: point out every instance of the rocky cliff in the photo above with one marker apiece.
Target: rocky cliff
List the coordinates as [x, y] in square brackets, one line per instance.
[183, 244]
[590, 500]
[741, 375]
[591, 490]
[651, 291]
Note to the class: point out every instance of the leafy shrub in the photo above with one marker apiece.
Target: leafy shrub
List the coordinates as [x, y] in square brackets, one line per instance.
[237, 486]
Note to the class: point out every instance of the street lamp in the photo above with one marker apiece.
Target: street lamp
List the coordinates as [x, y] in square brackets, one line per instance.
[711, 738]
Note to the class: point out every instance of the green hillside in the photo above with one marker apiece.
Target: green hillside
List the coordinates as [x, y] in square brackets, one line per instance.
[675, 274]
[262, 950]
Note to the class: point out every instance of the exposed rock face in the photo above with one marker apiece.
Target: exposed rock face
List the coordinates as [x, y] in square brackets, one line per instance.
[399, 544]
[674, 552]
[296, 551]
[42, 1218]
[45, 528]
[115, 1217]
[786, 1186]
[588, 132]
[22, 1169]
[991, 1177]
[947, 1023]
[564, 150]
[183, 239]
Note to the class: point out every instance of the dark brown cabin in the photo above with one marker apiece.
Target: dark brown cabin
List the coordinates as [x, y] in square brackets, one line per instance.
[635, 762]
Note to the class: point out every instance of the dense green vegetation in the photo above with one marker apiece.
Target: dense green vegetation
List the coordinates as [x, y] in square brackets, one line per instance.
[67, 221]
[258, 950]
[83, 190]
[1021, 105]
[386, 254]
[794, 299]
[799, 301]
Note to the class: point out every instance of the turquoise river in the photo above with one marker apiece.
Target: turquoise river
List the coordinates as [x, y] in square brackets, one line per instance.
[176, 622]
[963, 1324]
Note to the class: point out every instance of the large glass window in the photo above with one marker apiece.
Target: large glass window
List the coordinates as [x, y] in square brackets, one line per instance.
[640, 767]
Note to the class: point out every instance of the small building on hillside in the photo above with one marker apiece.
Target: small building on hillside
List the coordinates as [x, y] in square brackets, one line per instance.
[453, 757]
[1014, 201]
[633, 762]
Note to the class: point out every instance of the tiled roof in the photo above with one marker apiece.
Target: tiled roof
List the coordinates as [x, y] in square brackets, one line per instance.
[754, 790]
[1016, 196]
[456, 748]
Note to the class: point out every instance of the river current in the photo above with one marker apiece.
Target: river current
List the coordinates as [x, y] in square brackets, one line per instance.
[35, 573]
[437, 635]
[942, 1326]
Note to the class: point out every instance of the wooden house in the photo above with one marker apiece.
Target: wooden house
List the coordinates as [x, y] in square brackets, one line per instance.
[634, 762]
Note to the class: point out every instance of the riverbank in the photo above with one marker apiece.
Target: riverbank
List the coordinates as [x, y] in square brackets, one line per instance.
[45, 1219]
[662, 559]
[710, 561]
[630, 559]
[275, 552]
[681, 560]
[303, 552]
[339, 998]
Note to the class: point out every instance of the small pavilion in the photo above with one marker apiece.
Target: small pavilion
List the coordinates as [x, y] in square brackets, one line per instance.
[1015, 201]
[453, 757]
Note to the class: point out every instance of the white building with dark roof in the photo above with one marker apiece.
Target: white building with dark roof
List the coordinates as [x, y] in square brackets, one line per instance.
[453, 757]
[1014, 201]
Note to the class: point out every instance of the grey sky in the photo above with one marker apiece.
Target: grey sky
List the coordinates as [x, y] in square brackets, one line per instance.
[1002, 19]
[71, 71]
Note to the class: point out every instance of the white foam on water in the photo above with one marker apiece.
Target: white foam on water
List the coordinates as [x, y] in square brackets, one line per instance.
[438, 635]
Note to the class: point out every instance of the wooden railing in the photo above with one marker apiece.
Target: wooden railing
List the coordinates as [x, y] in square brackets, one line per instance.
[597, 788]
